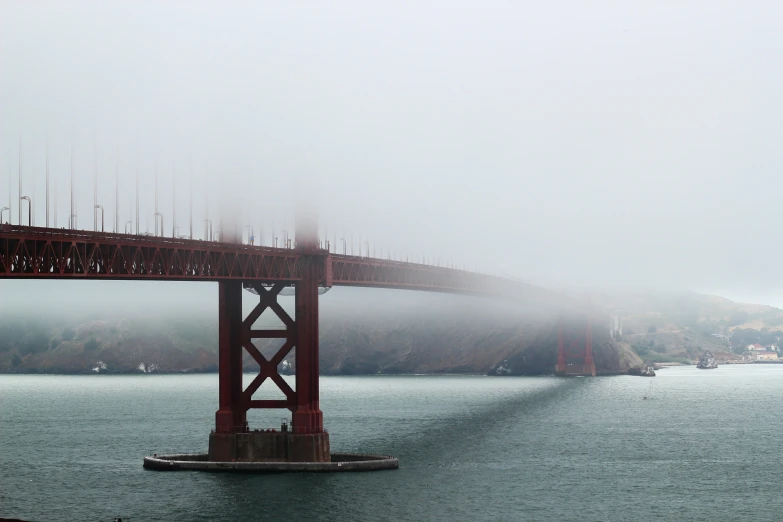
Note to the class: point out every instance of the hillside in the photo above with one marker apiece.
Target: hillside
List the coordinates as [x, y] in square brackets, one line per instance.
[361, 333]
[680, 326]
[407, 333]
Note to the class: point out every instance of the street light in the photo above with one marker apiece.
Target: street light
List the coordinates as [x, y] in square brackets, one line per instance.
[96, 213]
[345, 248]
[29, 210]
[207, 230]
[157, 214]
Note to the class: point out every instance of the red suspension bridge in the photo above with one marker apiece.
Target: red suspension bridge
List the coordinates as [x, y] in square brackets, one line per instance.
[31, 252]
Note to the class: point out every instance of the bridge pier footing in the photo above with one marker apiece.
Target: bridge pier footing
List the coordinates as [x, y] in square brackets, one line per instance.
[269, 446]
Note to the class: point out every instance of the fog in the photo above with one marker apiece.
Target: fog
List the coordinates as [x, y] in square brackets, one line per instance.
[595, 144]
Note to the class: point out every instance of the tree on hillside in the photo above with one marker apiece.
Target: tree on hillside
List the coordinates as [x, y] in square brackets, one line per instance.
[36, 342]
[742, 337]
[641, 349]
[91, 345]
[652, 329]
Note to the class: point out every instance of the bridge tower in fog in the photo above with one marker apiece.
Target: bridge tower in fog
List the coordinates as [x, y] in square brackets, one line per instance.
[575, 349]
[307, 441]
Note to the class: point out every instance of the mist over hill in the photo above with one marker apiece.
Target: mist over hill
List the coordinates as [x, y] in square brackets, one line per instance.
[365, 331]
[362, 331]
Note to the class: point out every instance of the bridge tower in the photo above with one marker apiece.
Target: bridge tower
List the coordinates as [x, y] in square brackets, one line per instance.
[306, 440]
[577, 359]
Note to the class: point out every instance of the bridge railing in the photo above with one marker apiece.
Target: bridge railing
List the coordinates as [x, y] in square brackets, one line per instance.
[87, 235]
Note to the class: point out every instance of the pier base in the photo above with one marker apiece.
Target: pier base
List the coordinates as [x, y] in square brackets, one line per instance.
[269, 446]
[338, 462]
[573, 370]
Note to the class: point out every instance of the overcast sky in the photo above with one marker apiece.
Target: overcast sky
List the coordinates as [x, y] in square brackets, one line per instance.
[602, 143]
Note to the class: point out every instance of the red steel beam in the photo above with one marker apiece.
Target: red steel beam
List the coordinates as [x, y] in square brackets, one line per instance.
[53, 253]
[66, 254]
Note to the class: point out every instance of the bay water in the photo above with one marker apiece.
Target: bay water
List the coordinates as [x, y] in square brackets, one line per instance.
[706, 447]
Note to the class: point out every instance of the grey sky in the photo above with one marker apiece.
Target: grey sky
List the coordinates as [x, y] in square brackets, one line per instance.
[594, 143]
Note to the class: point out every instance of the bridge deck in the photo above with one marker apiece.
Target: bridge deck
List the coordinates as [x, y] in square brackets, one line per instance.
[30, 252]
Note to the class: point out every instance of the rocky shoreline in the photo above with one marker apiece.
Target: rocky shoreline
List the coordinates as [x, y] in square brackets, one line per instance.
[707, 361]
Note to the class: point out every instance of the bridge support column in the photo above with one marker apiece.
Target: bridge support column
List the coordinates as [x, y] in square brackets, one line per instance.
[307, 417]
[589, 368]
[560, 366]
[580, 355]
[231, 416]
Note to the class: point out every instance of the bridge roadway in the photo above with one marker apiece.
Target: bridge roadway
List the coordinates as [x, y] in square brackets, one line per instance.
[34, 252]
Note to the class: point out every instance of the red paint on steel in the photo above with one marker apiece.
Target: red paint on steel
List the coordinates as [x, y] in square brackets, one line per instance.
[307, 417]
[578, 360]
[589, 346]
[56, 253]
[65, 254]
[231, 415]
[560, 367]
[301, 332]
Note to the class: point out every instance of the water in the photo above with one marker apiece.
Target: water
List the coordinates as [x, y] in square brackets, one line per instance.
[470, 448]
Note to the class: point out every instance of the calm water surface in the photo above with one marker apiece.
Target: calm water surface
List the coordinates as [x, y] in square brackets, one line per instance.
[708, 447]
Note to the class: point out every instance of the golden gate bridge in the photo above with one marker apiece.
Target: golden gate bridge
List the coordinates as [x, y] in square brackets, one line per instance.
[305, 263]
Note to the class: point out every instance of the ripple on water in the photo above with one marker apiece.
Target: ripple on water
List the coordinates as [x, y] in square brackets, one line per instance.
[470, 448]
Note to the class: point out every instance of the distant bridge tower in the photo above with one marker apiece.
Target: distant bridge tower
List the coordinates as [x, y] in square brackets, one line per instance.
[616, 330]
[575, 350]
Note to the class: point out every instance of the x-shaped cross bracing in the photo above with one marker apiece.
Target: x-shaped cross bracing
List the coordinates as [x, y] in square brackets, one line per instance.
[268, 367]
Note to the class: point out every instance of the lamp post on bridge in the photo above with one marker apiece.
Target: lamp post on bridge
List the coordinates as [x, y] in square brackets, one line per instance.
[29, 210]
[102, 215]
[47, 184]
[207, 230]
[158, 214]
